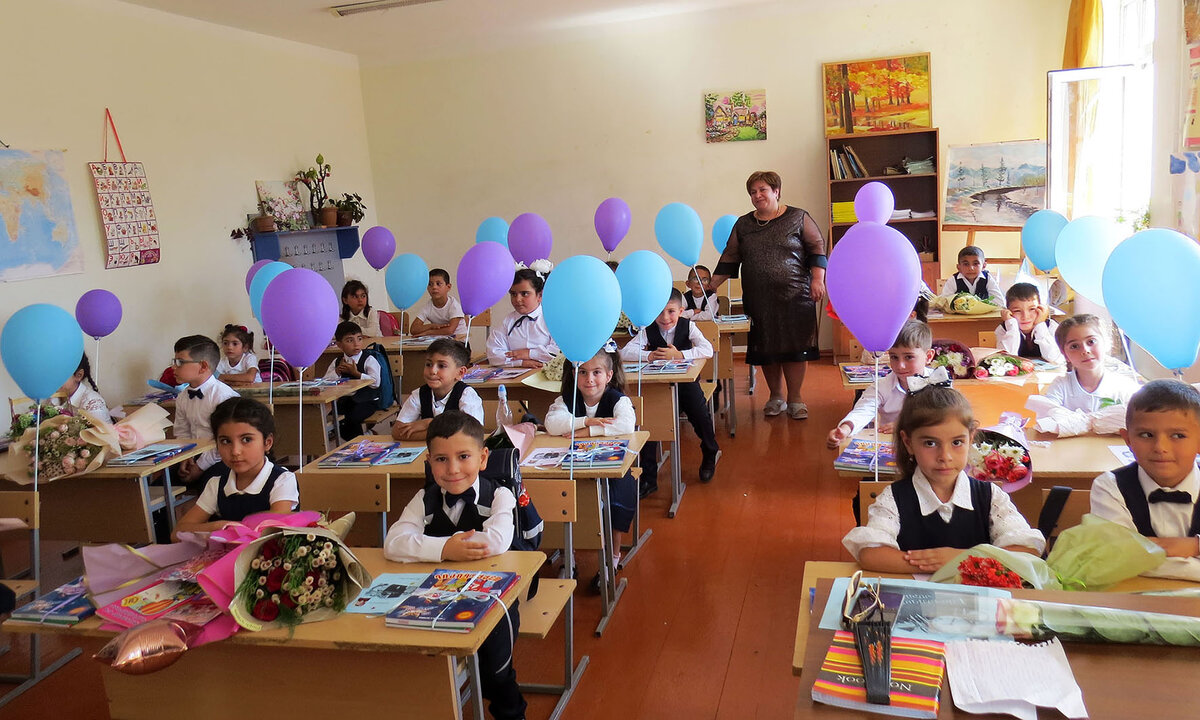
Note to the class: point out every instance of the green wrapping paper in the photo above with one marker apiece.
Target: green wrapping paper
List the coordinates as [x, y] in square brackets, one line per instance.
[1037, 620]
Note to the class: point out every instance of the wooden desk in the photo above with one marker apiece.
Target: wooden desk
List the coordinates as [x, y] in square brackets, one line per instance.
[412, 359]
[1162, 686]
[111, 504]
[963, 328]
[369, 670]
[660, 417]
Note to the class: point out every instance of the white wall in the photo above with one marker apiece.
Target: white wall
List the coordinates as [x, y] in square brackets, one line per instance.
[209, 110]
[555, 129]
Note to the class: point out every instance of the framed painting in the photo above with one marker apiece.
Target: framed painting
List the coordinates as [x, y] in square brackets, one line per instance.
[731, 116]
[281, 200]
[863, 96]
[995, 184]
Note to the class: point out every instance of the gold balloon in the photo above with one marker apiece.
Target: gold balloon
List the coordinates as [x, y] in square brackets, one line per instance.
[148, 647]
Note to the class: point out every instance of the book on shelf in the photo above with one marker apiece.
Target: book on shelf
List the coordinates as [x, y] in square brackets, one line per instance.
[918, 667]
[862, 169]
[150, 455]
[484, 373]
[923, 214]
[834, 170]
[860, 456]
[368, 452]
[65, 605]
[596, 453]
[149, 603]
[386, 592]
[451, 600]
[864, 374]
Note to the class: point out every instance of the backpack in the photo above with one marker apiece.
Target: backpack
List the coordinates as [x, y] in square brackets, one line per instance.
[277, 370]
[387, 390]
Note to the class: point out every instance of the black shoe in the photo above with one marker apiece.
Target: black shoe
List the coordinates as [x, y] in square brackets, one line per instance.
[647, 487]
[594, 585]
[708, 466]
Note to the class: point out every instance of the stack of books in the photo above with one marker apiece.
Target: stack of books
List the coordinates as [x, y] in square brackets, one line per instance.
[65, 605]
[843, 212]
[596, 454]
[150, 455]
[731, 318]
[368, 453]
[483, 373]
[658, 367]
[451, 600]
[844, 164]
[862, 456]
[863, 374]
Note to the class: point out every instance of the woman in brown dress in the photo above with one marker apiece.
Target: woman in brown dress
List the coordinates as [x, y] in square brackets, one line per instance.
[782, 254]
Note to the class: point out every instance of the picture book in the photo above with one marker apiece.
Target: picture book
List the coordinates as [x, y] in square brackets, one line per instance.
[385, 593]
[189, 570]
[450, 600]
[197, 610]
[596, 453]
[545, 457]
[367, 453]
[150, 455]
[863, 374]
[484, 373]
[918, 667]
[418, 341]
[660, 367]
[65, 605]
[397, 455]
[149, 602]
[731, 319]
[859, 456]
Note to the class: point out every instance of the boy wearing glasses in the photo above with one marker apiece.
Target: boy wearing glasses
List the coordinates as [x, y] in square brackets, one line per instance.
[196, 356]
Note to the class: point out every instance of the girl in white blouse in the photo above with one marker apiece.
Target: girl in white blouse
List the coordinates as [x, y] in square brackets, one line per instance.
[82, 393]
[1089, 385]
[356, 307]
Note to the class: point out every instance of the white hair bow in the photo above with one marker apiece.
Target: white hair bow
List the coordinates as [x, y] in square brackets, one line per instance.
[938, 378]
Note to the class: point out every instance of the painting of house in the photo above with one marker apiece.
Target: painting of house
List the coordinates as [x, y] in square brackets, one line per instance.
[864, 96]
[736, 115]
[995, 184]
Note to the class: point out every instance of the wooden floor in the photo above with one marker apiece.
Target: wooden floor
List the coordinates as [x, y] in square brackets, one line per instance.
[706, 626]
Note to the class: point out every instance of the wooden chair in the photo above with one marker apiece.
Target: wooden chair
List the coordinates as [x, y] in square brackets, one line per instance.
[708, 382]
[1052, 520]
[868, 493]
[987, 339]
[363, 493]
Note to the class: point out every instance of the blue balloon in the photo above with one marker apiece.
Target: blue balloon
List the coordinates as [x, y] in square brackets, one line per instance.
[582, 304]
[1150, 289]
[1039, 235]
[1082, 249]
[258, 285]
[406, 278]
[721, 230]
[645, 280]
[680, 232]
[41, 346]
[493, 229]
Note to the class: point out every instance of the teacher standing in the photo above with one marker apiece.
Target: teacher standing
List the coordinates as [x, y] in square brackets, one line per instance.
[782, 255]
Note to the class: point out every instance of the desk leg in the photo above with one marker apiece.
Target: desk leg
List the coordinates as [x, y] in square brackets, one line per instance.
[610, 589]
[628, 551]
[731, 405]
[144, 485]
[170, 499]
[753, 381]
[476, 685]
[677, 486]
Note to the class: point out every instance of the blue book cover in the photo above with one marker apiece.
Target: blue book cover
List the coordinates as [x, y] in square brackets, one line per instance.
[65, 605]
[451, 600]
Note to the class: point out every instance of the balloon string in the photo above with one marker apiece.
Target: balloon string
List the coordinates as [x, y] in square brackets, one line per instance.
[400, 380]
[37, 436]
[271, 375]
[1128, 352]
[300, 421]
[876, 463]
[96, 365]
[574, 405]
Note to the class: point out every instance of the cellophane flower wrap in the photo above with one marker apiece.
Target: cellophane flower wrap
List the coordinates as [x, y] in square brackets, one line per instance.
[295, 575]
[1037, 620]
[1097, 553]
[962, 304]
[955, 357]
[69, 445]
[553, 370]
[983, 566]
[1002, 365]
[1000, 454]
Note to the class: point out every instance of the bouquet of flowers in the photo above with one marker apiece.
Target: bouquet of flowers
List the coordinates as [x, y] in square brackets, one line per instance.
[962, 304]
[23, 421]
[1002, 365]
[998, 454]
[987, 572]
[624, 323]
[553, 370]
[1037, 620]
[955, 357]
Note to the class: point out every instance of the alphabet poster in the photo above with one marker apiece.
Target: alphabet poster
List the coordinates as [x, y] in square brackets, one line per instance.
[130, 225]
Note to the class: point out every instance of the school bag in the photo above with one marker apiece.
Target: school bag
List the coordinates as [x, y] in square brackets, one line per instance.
[387, 390]
[276, 370]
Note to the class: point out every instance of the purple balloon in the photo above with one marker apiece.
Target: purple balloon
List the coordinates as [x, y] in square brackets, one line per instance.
[485, 274]
[98, 313]
[874, 317]
[874, 203]
[378, 246]
[253, 269]
[529, 238]
[612, 222]
[299, 314]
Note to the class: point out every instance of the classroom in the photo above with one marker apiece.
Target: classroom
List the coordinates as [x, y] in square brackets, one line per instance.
[443, 113]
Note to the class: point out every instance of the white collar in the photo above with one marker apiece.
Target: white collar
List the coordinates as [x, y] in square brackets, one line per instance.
[77, 396]
[362, 315]
[961, 497]
[255, 487]
[353, 358]
[206, 385]
[1190, 484]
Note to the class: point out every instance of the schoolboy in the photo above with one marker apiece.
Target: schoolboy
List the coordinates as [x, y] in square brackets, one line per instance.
[442, 315]
[1026, 329]
[464, 517]
[908, 357]
[1157, 494]
[972, 277]
[445, 364]
[196, 357]
[354, 364]
[671, 337]
[698, 305]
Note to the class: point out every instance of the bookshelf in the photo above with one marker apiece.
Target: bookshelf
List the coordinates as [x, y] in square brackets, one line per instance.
[918, 191]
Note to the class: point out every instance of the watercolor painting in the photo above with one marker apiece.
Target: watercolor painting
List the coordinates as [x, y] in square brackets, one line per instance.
[995, 184]
[863, 96]
[281, 199]
[736, 115]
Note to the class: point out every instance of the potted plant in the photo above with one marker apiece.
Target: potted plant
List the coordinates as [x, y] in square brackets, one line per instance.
[350, 209]
[318, 199]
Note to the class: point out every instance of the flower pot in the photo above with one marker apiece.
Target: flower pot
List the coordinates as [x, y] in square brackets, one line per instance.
[345, 218]
[263, 224]
[328, 216]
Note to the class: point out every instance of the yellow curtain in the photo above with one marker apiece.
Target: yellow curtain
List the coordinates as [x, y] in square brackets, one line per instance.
[1085, 29]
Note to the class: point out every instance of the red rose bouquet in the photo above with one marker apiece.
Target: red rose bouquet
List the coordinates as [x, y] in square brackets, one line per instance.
[998, 454]
[987, 572]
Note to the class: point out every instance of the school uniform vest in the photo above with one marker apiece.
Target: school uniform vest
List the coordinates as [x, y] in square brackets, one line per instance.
[967, 528]
[437, 522]
[981, 284]
[1139, 506]
[604, 409]
[368, 394]
[683, 339]
[238, 506]
[690, 301]
[1028, 348]
[426, 397]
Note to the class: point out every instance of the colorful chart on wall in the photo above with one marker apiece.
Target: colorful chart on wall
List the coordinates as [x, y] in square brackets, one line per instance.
[735, 115]
[36, 218]
[863, 96]
[995, 184]
[130, 225]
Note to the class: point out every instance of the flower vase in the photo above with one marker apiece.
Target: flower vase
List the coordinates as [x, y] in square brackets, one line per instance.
[345, 218]
[263, 224]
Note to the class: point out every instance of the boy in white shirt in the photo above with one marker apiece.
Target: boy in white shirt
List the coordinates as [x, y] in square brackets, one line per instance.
[696, 304]
[196, 356]
[442, 315]
[354, 364]
[972, 277]
[445, 364]
[1026, 329]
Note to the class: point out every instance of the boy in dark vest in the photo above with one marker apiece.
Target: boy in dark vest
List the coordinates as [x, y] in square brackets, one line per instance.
[671, 337]
[973, 278]
[354, 364]
[1157, 494]
[445, 364]
[1026, 329]
[464, 517]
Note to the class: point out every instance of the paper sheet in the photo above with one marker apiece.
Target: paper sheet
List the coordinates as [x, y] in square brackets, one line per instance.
[1123, 453]
[1011, 678]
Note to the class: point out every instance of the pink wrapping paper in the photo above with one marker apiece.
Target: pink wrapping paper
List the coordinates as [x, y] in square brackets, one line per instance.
[217, 579]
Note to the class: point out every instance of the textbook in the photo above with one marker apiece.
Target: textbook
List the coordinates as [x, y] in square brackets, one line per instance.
[658, 367]
[596, 453]
[368, 453]
[550, 457]
[731, 319]
[864, 374]
[451, 600]
[918, 667]
[65, 605]
[859, 455]
[311, 387]
[385, 593]
[149, 603]
[150, 455]
[485, 373]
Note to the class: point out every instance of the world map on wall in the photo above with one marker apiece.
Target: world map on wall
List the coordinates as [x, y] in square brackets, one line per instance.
[37, 224]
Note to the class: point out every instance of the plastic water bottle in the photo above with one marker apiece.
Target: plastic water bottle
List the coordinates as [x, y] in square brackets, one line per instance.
[503, 413]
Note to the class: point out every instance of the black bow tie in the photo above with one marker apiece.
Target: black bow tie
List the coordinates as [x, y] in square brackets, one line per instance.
[193, 394]
[468, 495]
[520, 320]
[1171, 496]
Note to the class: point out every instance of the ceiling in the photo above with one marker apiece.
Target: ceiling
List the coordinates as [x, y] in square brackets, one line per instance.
[439, 29]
